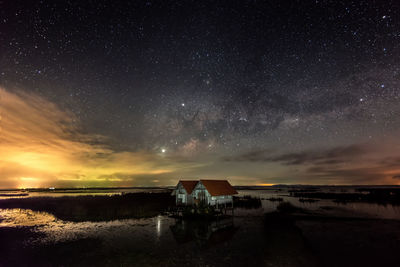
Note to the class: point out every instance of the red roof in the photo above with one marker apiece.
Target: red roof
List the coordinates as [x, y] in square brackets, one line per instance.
[219, 187]
[188, 185]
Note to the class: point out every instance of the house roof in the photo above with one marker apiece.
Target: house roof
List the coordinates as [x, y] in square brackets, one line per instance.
[219, 187]
[188, 185]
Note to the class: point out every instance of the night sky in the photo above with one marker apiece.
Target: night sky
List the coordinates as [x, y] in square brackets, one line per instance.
[143, 93]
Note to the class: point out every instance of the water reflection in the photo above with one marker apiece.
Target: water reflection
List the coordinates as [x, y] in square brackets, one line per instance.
[204, 233]
[151, 230]
[159, 220]
[148, 230]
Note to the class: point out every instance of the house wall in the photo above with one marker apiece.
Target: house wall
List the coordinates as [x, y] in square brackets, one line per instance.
[210, 200]
[180, 194]
[197, 191]
[182, 197]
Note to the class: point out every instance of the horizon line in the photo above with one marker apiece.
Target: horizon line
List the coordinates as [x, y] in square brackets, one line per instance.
[167, 186]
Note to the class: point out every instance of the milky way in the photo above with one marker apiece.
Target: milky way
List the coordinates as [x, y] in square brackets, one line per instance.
[261, 92]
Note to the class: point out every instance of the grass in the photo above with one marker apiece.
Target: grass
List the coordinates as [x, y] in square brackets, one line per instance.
[96, 208]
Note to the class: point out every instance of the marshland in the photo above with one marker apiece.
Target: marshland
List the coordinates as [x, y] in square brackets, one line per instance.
[270, 227]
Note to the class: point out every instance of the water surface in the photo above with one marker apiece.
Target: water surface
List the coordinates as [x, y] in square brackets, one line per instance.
[244, 239]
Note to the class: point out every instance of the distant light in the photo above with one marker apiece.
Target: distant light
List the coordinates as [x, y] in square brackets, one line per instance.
[51, 188]
[163, 150]
[183, 104]
[382, 85]
[384, 17]
[361, 99]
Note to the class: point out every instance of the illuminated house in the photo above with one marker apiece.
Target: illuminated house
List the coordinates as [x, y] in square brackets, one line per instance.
[206, 192]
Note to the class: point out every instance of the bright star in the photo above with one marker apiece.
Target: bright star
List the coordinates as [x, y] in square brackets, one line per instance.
[183, 104]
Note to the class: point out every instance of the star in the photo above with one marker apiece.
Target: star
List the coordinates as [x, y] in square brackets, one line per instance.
[135, 81]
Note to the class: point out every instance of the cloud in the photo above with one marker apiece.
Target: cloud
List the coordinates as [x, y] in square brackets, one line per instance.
[327, 156]
[41, 145]
[330, 156]
[347, 175]
[252, 156]
[352, 164]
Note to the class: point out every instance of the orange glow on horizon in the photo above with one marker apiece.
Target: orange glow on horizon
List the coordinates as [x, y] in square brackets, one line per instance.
[265, 184]
[39, 140]
[41, 145]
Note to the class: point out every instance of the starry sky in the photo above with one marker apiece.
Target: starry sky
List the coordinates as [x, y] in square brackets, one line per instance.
[144, 93]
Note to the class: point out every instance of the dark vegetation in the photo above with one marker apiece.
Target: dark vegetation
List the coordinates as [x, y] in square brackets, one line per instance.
[287, 207]
[308, 200]
[247, 202]
[304, 190]
[278, 199]
[370, 195]
[14, 195]
[96, 208]
[86, 189]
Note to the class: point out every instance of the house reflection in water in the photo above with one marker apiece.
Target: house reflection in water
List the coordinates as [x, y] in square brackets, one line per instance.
[204, 233]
